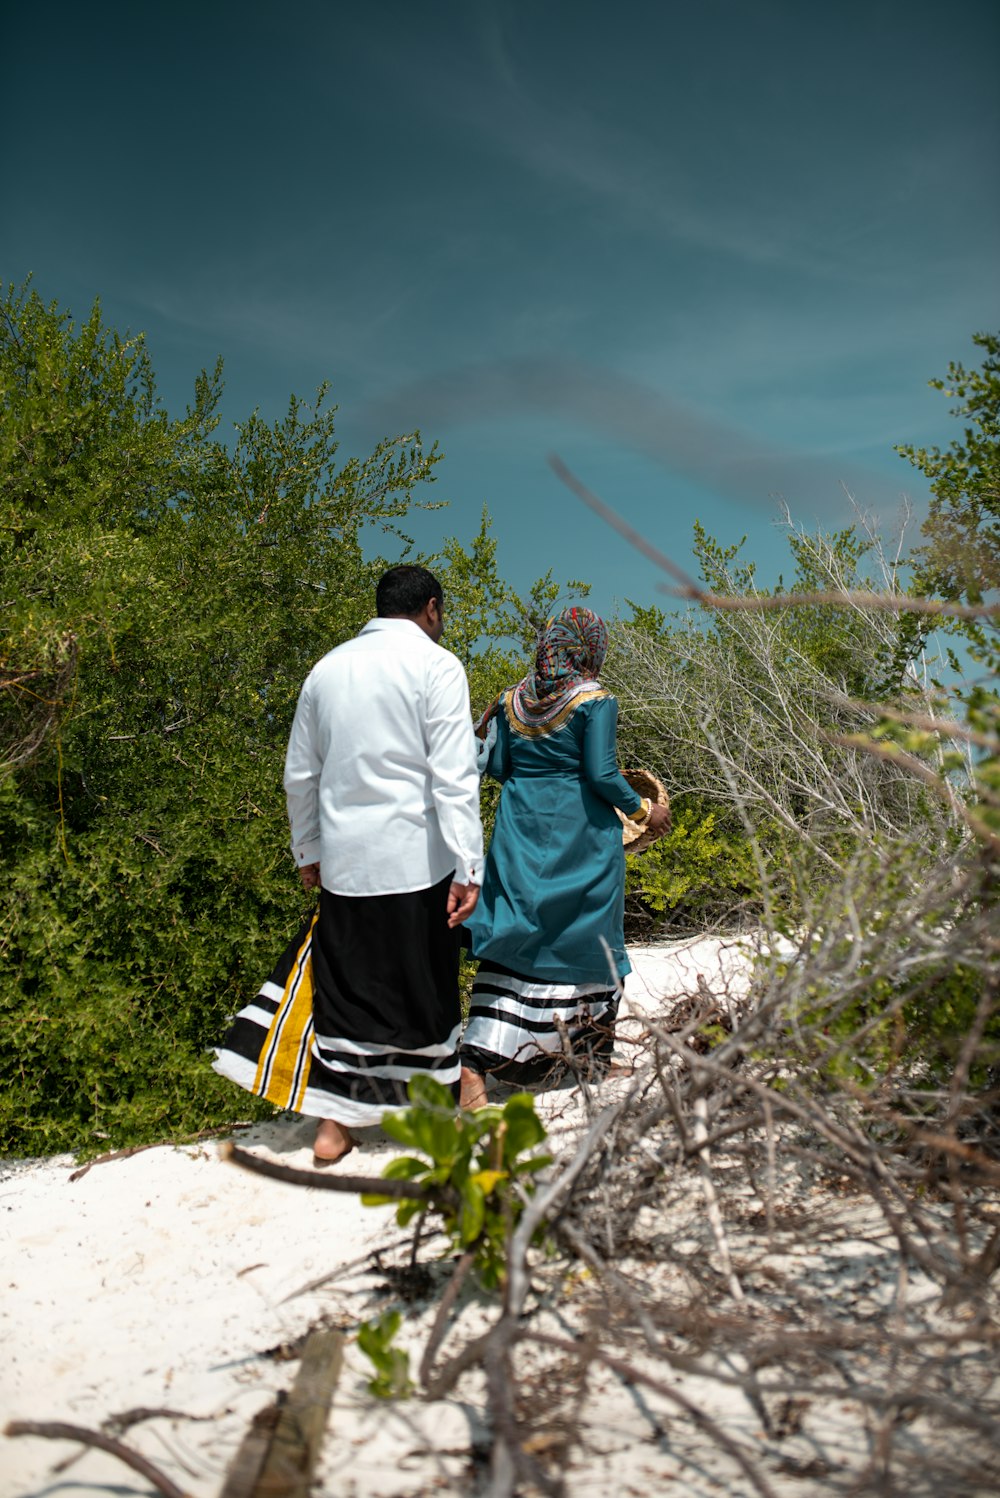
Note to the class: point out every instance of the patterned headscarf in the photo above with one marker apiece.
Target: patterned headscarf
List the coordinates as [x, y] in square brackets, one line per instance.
[570, 654]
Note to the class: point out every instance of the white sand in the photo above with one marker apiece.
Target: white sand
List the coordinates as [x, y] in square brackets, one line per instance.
[161, 1280]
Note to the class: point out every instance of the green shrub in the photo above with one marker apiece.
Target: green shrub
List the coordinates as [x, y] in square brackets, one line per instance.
[697, 874]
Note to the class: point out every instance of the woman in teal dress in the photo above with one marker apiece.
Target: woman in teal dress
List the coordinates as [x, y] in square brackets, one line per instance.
[548, 928]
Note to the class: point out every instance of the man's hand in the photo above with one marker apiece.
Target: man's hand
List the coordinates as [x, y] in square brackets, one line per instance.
[658, 820]
[309, 874]
[461, 902]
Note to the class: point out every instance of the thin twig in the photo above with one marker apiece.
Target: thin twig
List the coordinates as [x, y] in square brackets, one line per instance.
[895, 603]
[137, 1149]
[631, 1374]
[448, 1299]
[55, 1430]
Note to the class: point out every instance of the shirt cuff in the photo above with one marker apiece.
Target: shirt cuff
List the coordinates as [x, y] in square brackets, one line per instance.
[306, 853]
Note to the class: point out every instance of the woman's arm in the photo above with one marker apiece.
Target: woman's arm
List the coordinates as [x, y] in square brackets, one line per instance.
[484, 745]
[600, 756]
[496, 762]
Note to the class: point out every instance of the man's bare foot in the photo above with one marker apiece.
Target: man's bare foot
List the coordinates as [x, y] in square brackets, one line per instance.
[333, 1142]
[472, 1094]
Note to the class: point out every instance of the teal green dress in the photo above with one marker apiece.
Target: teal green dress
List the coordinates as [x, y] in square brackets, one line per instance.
[554, 879]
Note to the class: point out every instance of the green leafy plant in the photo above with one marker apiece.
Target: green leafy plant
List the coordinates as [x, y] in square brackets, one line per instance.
[477, 1169]
[392, 1364]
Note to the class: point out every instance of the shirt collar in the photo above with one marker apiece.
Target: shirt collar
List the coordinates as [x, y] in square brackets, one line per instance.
[375, 626]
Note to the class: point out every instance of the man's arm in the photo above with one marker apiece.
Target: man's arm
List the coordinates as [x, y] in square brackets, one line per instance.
[451, 754]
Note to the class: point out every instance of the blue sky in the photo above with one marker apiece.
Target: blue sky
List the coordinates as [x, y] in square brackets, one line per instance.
[708, 254]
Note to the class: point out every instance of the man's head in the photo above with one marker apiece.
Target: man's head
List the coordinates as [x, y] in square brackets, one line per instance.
[409, 592]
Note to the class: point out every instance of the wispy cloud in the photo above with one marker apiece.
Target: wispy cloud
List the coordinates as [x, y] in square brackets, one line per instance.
[688, 442]
[661, 191]
[489, 19]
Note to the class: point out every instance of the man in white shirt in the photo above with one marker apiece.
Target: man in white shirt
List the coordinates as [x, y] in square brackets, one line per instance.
[383, 801]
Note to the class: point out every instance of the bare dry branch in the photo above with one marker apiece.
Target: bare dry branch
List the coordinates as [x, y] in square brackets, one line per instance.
[56, 1430]
[895, 603]
[354, 1185]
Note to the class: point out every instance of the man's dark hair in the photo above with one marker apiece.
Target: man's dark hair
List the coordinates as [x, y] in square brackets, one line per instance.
[402, 592]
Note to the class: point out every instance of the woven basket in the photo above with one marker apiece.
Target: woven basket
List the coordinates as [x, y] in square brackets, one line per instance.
[635, 836]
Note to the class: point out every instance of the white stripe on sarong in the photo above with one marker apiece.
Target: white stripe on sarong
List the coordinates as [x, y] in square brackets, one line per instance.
[363, 1048]
[572, 1004]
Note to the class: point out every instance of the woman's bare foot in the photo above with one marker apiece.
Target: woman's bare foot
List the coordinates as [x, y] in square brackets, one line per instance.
[472, 1094]
[333, 1142]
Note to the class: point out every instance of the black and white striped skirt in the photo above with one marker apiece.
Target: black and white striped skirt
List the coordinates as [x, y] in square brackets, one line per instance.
[364, 999]
[521, 1028]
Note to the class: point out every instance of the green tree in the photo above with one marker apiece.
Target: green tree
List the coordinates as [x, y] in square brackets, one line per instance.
[164, 595]
[959, 560]
[960, 557]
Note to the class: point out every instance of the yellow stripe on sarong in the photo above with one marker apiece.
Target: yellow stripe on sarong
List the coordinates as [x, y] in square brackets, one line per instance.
[284, 1058]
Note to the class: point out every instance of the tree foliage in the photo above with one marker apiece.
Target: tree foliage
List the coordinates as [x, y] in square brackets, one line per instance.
[960, 556]
[959, 560]
[164, 594]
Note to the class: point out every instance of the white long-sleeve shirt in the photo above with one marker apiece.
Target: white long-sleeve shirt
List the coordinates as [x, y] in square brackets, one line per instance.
[380, 774]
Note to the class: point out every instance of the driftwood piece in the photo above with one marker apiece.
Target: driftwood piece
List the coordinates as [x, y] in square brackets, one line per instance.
[279, 1452]
[248, 1463]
